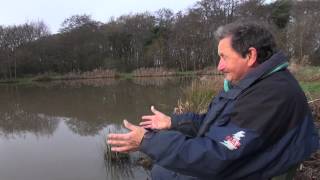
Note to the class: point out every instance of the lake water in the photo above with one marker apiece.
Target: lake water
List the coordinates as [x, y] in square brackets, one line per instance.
[56, 130]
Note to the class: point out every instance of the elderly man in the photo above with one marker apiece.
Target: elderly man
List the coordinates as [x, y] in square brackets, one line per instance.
[258, 127]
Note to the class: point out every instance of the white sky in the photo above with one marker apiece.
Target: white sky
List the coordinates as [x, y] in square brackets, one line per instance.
[53, 12]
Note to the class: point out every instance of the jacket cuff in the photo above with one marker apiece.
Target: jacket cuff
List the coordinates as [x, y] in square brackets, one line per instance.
[147, 142]
[174, 121]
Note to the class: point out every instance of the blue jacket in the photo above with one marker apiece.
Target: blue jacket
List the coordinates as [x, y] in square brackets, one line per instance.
[258, 129]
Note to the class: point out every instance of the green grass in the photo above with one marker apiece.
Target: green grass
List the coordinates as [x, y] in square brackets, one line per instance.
[17, 81]
[306, 73]
[125, 75]
[312, 87]
[47, 77]
[185, 73]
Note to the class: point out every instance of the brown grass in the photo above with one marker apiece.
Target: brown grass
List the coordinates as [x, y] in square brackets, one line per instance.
[96, 73]
[198, 96]
[211, 70]
[151, 72]
[305, 73]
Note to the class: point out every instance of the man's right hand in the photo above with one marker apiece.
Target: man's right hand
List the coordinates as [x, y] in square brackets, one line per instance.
[157, 121]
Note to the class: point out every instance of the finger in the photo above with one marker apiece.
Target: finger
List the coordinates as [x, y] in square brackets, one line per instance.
[147, 127]
[149, 117]
[118, 136]
[117, 143]
[123, 149]
[129, 125]
[154, 110]
[145, 123]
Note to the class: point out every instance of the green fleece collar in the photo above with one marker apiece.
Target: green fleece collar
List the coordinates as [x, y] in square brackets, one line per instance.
[226, 85]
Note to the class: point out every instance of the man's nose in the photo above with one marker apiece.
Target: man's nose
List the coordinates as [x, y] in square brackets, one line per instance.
[221, 65]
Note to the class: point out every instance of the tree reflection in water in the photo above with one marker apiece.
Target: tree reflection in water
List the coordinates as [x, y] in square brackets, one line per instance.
[72, 116]
[16, 122]
[88, 105]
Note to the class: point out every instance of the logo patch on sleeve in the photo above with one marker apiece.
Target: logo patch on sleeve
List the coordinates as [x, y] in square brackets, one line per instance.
[233, 142]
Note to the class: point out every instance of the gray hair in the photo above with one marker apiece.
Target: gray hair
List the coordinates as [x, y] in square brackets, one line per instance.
[249, 34]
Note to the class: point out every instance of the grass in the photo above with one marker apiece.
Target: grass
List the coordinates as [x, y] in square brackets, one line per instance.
[17, 81]
[44, 77]
[305, 73]
[110, 155]
[97, 74]
[115, 161]
[309, 80]
[198, 96]
[311, 87]
[125, 76]
[151, 72]
[186, 73]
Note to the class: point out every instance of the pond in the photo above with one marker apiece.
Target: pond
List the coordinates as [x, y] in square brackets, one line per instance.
[57, 130]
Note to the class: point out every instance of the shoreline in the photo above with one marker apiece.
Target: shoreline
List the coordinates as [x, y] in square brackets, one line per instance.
[51, 78]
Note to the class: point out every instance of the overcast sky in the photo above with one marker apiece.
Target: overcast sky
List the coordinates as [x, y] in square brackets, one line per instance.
[53, 12]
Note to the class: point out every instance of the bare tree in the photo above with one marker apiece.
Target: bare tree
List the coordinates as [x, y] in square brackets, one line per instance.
[13, 37]
[304, 31]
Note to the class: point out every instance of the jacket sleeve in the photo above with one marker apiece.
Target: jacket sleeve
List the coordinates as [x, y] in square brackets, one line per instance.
[208, 156]
[225, 148]
[188, 123]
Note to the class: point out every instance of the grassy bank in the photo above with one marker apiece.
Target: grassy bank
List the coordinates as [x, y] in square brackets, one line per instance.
[305, 73]
[198, 95]
[107, 73]
[311, 87]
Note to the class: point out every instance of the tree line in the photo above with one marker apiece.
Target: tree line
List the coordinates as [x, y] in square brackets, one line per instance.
[182, 41]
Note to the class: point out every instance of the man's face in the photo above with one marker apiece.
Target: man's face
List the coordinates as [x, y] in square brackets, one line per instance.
[231, 63]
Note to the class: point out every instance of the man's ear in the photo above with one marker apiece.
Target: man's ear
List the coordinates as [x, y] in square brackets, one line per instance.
[252, 57]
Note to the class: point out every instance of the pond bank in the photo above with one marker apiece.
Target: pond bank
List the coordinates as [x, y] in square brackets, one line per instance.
[111, 74]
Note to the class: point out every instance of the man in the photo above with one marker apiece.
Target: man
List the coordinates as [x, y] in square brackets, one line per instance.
[258, 127]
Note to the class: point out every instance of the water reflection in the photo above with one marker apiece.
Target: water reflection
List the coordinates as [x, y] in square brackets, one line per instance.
[55, 129]
[87, 109]
[16, 122]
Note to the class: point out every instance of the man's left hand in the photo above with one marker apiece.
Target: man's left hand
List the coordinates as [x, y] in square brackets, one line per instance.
[127, 142]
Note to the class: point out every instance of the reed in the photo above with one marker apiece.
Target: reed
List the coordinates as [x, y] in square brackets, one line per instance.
[199, 94]
[152, 72]
[124, 160]
[111, 155]
[96, 73]
[43, 77]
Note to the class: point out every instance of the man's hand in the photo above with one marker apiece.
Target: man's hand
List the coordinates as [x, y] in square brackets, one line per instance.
[127, 142]
[158, 121]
